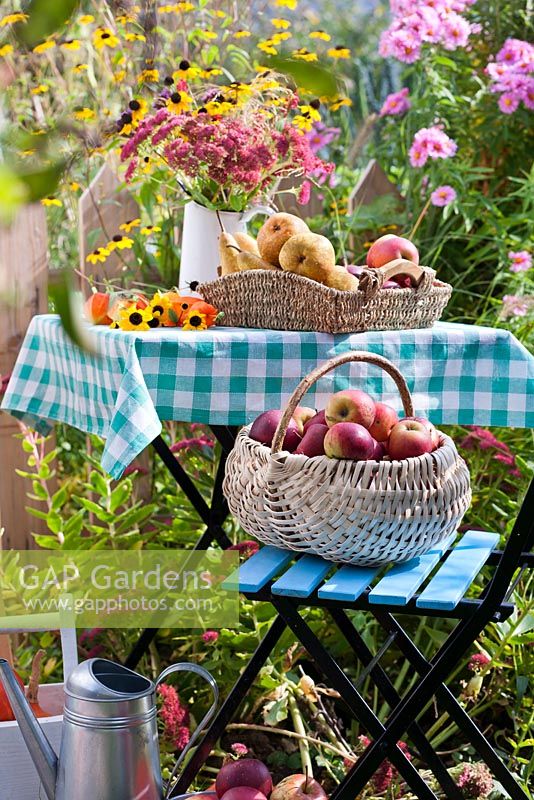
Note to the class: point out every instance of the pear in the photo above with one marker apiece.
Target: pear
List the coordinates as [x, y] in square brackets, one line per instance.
[251, 261]
[313, 256]
[228, 251]
[340, 278]
[275, 232]
[247, 243]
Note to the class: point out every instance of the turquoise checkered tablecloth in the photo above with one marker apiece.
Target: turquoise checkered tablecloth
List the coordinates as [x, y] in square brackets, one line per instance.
[227, 376]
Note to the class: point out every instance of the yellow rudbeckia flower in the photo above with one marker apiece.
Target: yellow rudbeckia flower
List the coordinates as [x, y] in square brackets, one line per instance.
[148, 76]
[44, 46]
[281, 24]
[78, 68]
[282, 36]
[104, 37]
[84, 114]
[51, 201]
[304, 55]
[41, 89]
[86, 19]
[211, 72]
[291, 4]
[74, 186]
[135, 37]
[135, 319]
[137, 108]
[339, 102]
[71, 44]
[12, 19]
[148, 230]
[160, 305]
[186, 71]
[179, 102]
[195, 321]
[323, 35]
[338, 52]
[267, 46]
[241, 34]
[6, 50]
[99, 254]
[129, 224]
[207, 35]
[214, 108]
[119, 242]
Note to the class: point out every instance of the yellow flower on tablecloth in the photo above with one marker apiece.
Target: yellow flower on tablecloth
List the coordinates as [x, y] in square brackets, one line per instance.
[119, 242]
[84, 114]
[304, 55]
[195, 321]
[322, 35]
[99, 254]
[160, 305]
[129, 224]
[86, 19]
[6, 50]
[132, 318]
[104, 37]
[12, 19]
[339, 51]
[148, 230]
[71, 44]
[281, 24]
[179, 102]
[44, 46]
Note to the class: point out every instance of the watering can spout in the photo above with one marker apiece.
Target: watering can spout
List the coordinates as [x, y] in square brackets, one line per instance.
[41, 751]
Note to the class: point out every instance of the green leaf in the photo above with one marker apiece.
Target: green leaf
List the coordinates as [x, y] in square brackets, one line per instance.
[45, 17]
[119, 496]
[69, 309]
[13, 194]
[59, 498]
[39, 490]
[42, 182]
[314, 77]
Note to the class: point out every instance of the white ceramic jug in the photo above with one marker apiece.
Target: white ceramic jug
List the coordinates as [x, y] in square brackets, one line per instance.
[200, 239]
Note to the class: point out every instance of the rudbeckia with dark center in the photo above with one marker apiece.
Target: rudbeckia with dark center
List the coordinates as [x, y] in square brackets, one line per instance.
[133, 318]
[322, 35]
[339, 51]
[100, 254]
[119, 242]
[124, 123]
[51, 201]
[178, 102]
[186, 71]
[104, 37]
[129, 224]
[148, 230]
[137, 108]
[71, 44]
[195, 321]
[148, 76]
[304, 55]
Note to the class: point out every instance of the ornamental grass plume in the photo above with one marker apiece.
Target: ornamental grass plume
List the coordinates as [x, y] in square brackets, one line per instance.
[175, 717]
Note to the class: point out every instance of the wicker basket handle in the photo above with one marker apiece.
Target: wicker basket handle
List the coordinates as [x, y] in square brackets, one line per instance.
[345, 358]
[372, 280]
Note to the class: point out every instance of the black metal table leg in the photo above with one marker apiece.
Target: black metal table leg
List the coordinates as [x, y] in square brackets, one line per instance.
[391, 696]
[230, 706]
[357, 707]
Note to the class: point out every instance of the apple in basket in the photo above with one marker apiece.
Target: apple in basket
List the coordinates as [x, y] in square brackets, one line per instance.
[250, 773]
[318, 419]
[349, 440]
[264, 427]
[390, 247]
[385, 418]
[312, 443]
[434, 434]
[409, 438]
[302, 415]
[298, 787]
[350, 405]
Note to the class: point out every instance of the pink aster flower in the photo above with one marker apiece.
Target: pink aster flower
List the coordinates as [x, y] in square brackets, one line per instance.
[516, 305]
[431, 143]
[443, 196]
[210, 637]
[521, 260]
[508, 103]
[396, 103]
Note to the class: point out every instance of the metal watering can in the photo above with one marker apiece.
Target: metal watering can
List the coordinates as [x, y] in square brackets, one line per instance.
[109, 744]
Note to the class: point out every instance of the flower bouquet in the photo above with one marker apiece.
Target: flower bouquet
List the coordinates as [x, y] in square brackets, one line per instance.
[133, 311]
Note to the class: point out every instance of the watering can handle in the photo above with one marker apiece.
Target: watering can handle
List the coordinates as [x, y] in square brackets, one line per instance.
[267, 210]
[186, 667]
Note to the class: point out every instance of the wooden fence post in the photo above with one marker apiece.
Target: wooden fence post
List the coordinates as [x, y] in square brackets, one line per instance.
[23, 293]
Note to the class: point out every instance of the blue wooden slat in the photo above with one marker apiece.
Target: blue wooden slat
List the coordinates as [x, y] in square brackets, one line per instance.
[258, 570]
[348, 583]
[450, 583]
[303, 577]
[402, 581]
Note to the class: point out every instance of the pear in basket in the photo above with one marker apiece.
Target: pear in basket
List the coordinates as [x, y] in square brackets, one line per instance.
[313, 256]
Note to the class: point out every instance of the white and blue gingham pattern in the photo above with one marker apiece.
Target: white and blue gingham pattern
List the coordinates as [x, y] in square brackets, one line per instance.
[227, 376]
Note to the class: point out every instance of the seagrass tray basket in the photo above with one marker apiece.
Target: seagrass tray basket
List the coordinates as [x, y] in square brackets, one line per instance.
[355, 512]
[282, 300]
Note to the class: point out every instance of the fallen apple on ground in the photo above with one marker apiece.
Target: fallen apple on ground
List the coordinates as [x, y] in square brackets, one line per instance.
[298, 787]
[350, 405]
[250, 773]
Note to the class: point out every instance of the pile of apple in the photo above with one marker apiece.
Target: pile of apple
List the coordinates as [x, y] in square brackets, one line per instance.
[249, 779]
[286, 243]
[352, 426]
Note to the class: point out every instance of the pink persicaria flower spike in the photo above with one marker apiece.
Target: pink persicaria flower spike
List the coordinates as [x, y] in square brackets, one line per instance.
[521, 260]
[396, 103]
[443, 196]
[210, 637]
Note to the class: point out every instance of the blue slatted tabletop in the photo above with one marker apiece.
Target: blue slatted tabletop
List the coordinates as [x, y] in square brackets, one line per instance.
[396, 585]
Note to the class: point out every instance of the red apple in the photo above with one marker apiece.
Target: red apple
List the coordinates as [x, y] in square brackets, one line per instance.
[408, 439]
[379, 451]
[350, 405]
[391, 284]
[434, 433]
[312, 443]
[385, 418]
[349, 440]
[318, 419]
[390, 247]
[245, 772]
[265, 425]
[298, 787]
[243, 793]
[355, 269]
[302, 415]
[96, 308]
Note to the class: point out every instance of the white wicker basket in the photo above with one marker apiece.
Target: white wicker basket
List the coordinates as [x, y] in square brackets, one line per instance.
[356, 512]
